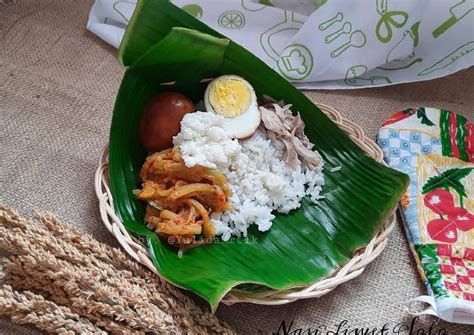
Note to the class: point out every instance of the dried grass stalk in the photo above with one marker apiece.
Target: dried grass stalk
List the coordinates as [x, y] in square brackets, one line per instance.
[30, 308]
[191, 313]
[97, 282]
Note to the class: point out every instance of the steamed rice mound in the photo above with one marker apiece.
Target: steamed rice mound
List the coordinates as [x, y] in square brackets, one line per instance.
[255, 169]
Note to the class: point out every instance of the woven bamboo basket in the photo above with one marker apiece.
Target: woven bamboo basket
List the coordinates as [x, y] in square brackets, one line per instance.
[136, 248]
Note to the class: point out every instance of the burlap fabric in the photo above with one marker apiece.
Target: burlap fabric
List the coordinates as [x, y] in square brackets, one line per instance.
[57, 88]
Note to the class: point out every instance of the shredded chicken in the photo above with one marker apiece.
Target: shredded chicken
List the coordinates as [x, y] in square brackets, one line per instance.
[289, 128]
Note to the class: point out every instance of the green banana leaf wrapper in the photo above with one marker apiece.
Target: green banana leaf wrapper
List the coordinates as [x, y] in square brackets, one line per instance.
[164, 44]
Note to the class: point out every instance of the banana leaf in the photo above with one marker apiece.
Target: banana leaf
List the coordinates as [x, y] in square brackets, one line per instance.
[164, 44]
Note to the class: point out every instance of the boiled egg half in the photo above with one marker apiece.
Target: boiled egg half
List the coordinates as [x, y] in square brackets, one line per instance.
[234, 98]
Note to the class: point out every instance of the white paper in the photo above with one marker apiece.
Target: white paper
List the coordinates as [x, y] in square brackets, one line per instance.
[337, 44]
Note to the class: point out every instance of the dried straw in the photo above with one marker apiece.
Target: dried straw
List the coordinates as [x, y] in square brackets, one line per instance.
[86, 286]
[30, 308]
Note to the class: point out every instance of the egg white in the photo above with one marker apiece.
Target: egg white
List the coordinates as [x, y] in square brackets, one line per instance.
[245, 124]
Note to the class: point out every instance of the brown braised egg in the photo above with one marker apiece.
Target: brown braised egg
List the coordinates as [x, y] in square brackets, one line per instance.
[161, 120]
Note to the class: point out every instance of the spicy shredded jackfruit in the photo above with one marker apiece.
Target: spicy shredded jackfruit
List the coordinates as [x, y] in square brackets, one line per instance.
[183, 198]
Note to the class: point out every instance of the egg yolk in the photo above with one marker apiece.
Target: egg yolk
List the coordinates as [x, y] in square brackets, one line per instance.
[229, 97]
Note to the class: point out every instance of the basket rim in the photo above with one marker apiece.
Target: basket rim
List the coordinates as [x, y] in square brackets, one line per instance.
[355, 267]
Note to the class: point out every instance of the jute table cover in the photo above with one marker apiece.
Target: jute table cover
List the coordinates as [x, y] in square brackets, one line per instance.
[57, 88]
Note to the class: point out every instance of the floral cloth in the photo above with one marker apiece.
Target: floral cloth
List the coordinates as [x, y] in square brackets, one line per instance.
[435, 148]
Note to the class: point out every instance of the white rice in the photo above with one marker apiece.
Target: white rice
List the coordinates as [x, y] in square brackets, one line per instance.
[255, 170]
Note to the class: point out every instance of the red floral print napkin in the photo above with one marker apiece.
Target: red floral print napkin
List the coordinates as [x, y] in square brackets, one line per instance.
[435, 148]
